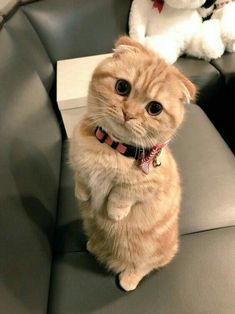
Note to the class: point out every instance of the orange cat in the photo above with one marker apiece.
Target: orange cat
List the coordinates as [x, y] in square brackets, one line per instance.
[129, 193]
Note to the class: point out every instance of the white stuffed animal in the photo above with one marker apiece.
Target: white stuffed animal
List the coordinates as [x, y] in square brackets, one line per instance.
[175, 27]
[223, 10]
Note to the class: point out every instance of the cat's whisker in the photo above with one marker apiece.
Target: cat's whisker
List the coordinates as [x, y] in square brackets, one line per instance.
[94, 120]
[99, 99]
[97, 116]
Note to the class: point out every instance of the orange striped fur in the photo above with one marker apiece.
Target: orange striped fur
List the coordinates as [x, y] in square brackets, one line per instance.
[130, 218]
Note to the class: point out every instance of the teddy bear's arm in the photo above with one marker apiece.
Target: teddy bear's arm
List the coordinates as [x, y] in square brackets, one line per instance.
[138, 19]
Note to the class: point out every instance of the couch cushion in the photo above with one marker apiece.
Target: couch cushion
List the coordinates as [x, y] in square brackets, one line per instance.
[30, 168]
[72, 29]
[207, 168]
[223, 115]
[25, 276]
[201, 279]
[69, 234]
[226, 65]
[27, 43]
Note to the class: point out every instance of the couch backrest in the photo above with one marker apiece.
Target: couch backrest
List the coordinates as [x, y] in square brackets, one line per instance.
[75, 28]
[30, 154]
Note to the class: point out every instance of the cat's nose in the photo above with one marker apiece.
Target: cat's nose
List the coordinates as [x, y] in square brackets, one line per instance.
[127, 115]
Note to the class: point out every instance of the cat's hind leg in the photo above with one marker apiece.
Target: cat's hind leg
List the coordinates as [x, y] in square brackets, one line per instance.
[130, 277]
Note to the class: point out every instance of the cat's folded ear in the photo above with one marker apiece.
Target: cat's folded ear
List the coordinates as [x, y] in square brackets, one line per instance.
[188, 88]
[125, 44]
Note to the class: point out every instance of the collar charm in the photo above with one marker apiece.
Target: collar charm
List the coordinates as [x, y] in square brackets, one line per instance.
[152, 157]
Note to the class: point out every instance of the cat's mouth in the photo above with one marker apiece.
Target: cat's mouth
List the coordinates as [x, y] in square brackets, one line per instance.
[122, 130]
[117, 127]
[117, 120]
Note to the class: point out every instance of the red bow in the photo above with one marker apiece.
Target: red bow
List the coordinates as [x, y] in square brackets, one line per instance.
[158, 4]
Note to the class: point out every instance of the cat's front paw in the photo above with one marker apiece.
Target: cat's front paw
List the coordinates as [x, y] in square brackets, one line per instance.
[89, 247]
[129, 281]
[81, 194]
[118, 214]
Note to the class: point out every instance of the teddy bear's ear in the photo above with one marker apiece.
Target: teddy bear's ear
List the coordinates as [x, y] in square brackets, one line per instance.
[125, 43]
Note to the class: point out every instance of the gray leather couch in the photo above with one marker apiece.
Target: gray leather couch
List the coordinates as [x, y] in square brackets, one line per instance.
[44, 267]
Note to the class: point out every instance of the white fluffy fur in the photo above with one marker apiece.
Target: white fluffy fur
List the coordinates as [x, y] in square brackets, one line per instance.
[179, 29]
[226, 16]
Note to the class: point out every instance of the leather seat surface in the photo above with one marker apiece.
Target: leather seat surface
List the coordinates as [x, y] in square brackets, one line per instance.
[28, 43]
[29, 177]
[207, 168]
[201, 279]
[226, 65]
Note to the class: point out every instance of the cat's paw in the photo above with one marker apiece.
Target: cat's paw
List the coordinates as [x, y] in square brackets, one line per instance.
[118, 214]
[129, 281]
[89, 247]
[81, 194]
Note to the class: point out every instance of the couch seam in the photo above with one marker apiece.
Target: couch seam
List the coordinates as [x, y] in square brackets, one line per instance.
[54, 231]
[219, 69]
[36, 31]
[207, 230]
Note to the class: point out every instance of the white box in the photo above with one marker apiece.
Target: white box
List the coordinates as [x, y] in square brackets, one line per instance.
[71, 117]
[73, 78]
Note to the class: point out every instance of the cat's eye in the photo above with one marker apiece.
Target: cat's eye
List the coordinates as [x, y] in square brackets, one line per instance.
[154, 108]
[123, 87]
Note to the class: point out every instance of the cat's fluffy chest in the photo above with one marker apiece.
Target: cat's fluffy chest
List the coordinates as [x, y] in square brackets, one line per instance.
[102, 168]
[98, 170]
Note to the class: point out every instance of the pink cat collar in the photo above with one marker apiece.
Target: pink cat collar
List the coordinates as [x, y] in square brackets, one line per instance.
[144, 157]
